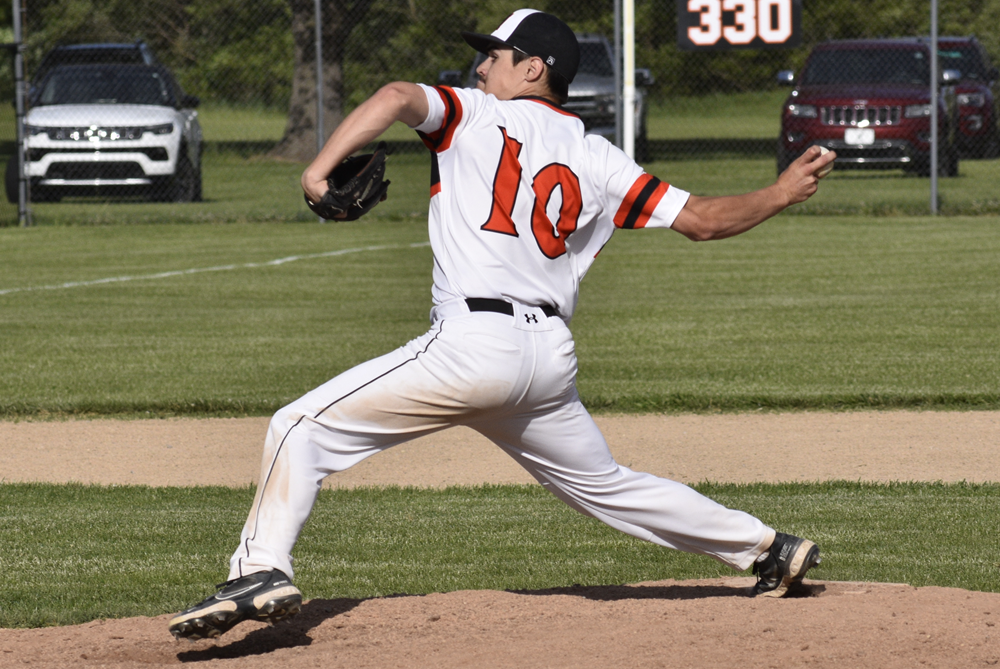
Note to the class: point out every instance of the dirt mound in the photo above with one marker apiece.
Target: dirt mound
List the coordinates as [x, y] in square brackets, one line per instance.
[665, 624]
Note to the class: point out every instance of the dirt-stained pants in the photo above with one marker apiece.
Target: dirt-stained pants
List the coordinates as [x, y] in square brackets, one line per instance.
[511, 379]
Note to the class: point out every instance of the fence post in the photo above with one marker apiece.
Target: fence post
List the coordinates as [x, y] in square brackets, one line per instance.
[618, 73]
[318, 15]
[935, 135]
[628, 44]
[23, 213]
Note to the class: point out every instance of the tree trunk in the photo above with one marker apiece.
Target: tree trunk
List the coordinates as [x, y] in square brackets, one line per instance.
[339, 18]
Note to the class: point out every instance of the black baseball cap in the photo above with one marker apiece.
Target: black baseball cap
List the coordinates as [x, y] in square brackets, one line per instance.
[536, 34]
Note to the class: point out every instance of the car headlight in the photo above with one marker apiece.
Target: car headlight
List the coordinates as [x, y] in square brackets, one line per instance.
[605, 103]
[136, 132]
[802, 111]
[917, 111]
[97, 133]
[971, 99]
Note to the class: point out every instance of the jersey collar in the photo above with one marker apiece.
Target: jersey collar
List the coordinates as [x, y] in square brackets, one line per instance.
[548, 103]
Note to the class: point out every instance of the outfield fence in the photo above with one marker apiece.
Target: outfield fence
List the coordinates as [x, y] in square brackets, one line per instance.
[201, 96]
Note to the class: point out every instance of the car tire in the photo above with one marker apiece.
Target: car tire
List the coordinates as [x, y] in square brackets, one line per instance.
[950, 167]
[947, 165]
[197, 184]
[11, 180]
[185, 185]
[784, 159]
[992, 147]
[641, 147]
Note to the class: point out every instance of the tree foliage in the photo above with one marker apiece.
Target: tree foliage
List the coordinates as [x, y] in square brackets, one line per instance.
[237, 51]
[243, 51]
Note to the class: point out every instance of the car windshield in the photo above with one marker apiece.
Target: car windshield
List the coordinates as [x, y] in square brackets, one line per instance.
[88, 84]
[964, 59]
[594, 59]
[868, 66]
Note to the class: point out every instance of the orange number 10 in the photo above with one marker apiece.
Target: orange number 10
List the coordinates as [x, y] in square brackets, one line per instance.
[551, 238]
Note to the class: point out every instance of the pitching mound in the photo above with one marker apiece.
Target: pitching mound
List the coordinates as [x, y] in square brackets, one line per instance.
[664, 624]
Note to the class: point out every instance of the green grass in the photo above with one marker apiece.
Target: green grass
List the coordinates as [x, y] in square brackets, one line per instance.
[718, 116]
[739, 115]
[251, 190]
[227, 123]
[243, 190]
[802, 313]
[239, 189]
[846, 192]
[72, 554]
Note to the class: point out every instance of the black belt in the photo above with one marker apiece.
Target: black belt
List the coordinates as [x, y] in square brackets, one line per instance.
[502, 307]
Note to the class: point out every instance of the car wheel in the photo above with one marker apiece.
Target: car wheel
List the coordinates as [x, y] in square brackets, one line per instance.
[641, 147]
[11, 180]
[184, 186]
[950, 167]
[992, 148]
[947, 165]
[197, 184]
[784, 159]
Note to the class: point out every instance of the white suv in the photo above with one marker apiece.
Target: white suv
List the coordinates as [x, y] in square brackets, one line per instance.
[111, 129]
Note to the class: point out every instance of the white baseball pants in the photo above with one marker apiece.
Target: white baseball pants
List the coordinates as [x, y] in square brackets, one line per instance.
[509, 378]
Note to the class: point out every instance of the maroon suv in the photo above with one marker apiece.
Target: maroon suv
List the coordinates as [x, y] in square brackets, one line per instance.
[869, 100]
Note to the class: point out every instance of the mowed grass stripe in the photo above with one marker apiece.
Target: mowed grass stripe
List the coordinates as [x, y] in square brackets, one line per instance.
[199, 270]
[74, 553]
[803, 312]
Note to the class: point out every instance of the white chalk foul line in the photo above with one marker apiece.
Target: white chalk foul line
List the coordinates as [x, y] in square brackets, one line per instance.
[219, 268]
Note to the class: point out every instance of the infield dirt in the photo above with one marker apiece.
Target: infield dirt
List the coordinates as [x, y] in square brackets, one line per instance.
[663, 624]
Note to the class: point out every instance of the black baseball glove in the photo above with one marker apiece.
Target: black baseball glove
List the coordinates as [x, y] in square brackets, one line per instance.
[356, 186]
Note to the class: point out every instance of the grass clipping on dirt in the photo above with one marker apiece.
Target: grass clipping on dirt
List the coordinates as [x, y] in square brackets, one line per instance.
[74, 553]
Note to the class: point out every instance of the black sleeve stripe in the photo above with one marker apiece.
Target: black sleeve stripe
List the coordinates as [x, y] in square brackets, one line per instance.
[434, 140]
[640, 203]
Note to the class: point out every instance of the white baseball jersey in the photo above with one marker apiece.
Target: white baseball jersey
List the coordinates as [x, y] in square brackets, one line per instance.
[521, 204]
[522, 201]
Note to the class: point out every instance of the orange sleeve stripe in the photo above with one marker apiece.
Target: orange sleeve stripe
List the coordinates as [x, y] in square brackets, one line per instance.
[440, 140]
[640, 202]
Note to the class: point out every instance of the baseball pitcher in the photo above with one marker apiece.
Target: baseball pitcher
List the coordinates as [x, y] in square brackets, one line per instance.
[521, 203]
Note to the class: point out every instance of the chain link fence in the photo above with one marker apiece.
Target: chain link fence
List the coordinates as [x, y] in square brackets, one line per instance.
[163, 110]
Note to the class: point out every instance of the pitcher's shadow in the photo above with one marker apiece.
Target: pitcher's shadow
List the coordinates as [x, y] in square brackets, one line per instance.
[295, 632]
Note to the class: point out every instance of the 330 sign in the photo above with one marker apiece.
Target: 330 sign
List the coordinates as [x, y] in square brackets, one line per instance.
[714, 25]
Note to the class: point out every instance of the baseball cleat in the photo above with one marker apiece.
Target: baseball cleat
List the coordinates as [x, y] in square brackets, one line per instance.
[788, 559]
[268, 596]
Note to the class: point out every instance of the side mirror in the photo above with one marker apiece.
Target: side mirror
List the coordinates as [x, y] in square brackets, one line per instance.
[994, 74]
[643, 77]
[451, 78]
[950, 76]
[786, 78]
[190, 101]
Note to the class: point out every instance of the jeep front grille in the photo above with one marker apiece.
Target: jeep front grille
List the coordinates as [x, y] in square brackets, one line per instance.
[154, 152]
[91, 171]
[855, 114]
